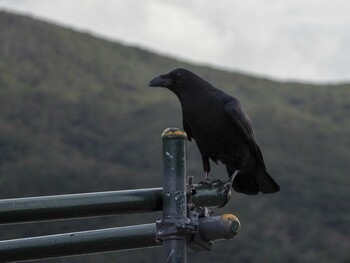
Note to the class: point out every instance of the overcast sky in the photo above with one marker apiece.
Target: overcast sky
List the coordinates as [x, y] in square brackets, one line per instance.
[284, 39]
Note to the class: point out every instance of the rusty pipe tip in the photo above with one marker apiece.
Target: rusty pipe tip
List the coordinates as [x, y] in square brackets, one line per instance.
[233, 221]
[174, 133]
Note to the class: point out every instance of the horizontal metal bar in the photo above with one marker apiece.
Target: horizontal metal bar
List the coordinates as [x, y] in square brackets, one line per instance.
[226, 226]
[101, 203]
[212, 228]
[79, 205]
[86, 242]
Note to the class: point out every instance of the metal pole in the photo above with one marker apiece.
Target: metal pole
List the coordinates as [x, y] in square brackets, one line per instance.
[174, 195]
[225, 226]
[101, 203]
[85, 242]
[79, 205]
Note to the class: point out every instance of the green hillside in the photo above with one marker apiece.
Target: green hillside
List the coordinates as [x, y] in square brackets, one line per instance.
[76, 115]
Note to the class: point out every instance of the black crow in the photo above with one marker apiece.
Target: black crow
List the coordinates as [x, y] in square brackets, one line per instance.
[221, 129]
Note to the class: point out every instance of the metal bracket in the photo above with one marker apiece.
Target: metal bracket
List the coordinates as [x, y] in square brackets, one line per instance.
[178, 227]
[174, 228]
[199, 228]
[195, 240]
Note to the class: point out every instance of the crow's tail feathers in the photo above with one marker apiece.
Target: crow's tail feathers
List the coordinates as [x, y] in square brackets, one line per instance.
[266, 184]
[251, 183]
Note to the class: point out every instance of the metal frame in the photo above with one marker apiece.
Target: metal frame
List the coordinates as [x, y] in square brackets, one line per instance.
[185, 220]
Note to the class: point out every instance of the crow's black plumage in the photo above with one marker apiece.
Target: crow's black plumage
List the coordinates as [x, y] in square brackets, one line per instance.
[221, 129]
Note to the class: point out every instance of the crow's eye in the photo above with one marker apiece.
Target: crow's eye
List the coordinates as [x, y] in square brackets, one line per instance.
[177, 76]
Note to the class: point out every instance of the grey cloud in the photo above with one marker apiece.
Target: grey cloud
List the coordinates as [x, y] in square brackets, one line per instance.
[305, 40]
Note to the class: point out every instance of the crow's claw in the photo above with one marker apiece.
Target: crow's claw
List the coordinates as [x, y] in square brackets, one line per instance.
[207, 181]
[229, 182]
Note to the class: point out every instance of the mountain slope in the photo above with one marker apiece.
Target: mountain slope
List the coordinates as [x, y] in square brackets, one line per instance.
[76, 115]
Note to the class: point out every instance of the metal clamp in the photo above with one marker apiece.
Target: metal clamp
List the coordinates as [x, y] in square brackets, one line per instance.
[174, 228]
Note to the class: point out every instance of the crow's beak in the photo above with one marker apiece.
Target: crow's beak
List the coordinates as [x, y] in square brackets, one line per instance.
[161, 81]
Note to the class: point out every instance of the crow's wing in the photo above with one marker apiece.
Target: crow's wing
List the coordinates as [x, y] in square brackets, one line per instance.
[187, 129]
[241, 122]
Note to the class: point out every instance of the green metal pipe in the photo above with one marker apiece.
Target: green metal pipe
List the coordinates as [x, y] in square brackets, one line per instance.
[226, 226]
[212, 228]
[101, 203]
[79, 205]
[216, 194]
[86, 242]
[174, 196]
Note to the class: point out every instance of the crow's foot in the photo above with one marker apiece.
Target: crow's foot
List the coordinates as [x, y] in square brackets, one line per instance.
[229, 182]
[207, 181]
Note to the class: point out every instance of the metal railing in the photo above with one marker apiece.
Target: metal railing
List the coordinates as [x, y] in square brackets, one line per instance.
[185, 221]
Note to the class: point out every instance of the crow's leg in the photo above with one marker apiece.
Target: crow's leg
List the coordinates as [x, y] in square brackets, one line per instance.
[206, 167]
[231, 174]
[207, 176]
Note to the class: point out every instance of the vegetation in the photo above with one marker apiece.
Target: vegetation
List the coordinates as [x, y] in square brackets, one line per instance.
[76, 115]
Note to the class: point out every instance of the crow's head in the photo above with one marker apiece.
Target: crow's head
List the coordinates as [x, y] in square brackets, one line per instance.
[175, 80]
